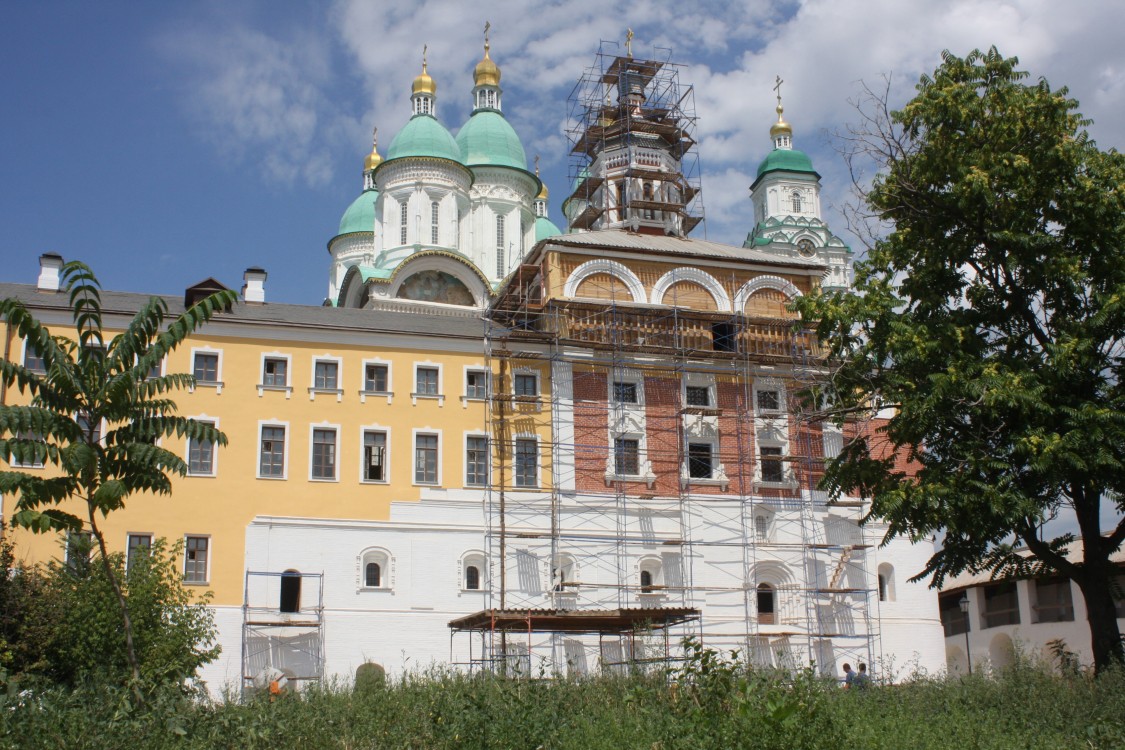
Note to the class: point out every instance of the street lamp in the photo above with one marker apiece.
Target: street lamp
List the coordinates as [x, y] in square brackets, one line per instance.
[964, 603]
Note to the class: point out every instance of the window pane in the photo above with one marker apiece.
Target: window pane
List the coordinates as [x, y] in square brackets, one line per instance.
[626, 456]
[375, 378]
[374, 456]
[476, 461]
[136, 544]
[699, 460]
[372, 575]
[425, 459]
[206, 368]
[476, 384]
[324, 454]
[772, 470]
[427, 381]
[324, 375]
[625, 393]
[32, 360]
[195, 559]
[697, 395]
[769, 401]
[472, 578]
[275, 372]
[526, 385]
[201, 456]
[527, 462]
[272, 462]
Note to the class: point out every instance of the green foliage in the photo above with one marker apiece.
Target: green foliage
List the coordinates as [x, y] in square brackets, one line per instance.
[992, 320]
[61, 623]
[370, 677]
[1023, 708]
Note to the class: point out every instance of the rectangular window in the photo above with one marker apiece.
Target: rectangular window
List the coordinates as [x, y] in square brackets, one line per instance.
[500, 266]
[527, 463]
[155, 371]
[1053, 601]
[205, 367]
[201, 456]
[697, 395]
[427, 384]
[476, 461]
[699, 460]
[326, 375]
[626, 456]
[434, 223]
[324, 454]
[426, 459]
[526, 384]
[272, 462]
[724, 337]
[375, 378]
[196, 549]
[79, 548]
[769, 401]
[624, 392]
[32, 360]
[374, 456]
[275, 372]
[28, 460]
[135, 543]
[402, 220]
[1001, 605]
[476, 384]
[772, 470]
[93, 430]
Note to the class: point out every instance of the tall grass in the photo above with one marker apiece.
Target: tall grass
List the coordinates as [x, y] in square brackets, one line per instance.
[708, 705]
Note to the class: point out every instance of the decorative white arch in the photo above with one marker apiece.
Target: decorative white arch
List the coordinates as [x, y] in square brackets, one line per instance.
[687, 273]
[613, 268]
[763, 282]
[455, 267]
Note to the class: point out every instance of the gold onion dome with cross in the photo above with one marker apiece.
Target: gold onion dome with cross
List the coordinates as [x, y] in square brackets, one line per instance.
[781, 127]
[424, 84]
[486, 73]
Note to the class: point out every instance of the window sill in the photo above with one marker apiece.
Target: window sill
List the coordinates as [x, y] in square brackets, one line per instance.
[648, 479]
[337, 392]
[272, 478]
[475, 591]
[440, 398]
[263, 388]
[466, 400]
[196, 475]
[376, 589]
[324, 480]
[196, 583]
[374, 481]
[426, 484]
[722, 483]
[788, 484]
[216, 384]
[364, 394]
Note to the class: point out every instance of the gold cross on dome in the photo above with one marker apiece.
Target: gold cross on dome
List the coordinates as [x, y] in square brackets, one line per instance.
[629, 42]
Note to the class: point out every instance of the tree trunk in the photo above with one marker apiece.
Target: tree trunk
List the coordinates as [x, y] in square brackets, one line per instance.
[1096, 582]
[126, 621]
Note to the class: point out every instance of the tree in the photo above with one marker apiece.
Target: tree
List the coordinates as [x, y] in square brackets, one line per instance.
[990, 319]
[86, 383]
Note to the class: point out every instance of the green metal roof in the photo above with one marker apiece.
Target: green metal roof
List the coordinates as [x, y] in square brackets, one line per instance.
[424, 136]
[545, 228]
[360, 216]
[787, 159]
[488, 139]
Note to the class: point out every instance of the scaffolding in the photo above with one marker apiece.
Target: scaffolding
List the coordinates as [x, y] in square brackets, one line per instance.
[282, 629]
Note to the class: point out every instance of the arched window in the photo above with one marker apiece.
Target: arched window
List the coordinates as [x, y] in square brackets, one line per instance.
[646, 192]
[376, 570]
[474, 571]
[651, 575]
[767, 604]
[290, 591]
[372, 575]
[796, 202]
[472, 578]
[886, 583]
[563, 573]
[646, 581]
[761, 527]
[500, 265]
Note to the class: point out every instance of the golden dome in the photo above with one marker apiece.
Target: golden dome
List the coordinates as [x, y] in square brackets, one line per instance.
[423, 84]
[373, 159]
[781, 127]
[486, 73]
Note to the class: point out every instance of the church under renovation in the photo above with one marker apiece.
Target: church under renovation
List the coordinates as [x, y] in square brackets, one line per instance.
[528, 444]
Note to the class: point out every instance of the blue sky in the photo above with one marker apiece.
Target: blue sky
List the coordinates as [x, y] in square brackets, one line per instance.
[163, 143]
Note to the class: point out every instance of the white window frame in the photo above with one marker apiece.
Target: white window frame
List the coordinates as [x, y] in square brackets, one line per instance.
[699, 380]
[288, 387]
[210, 556]
[16, 464]
[389, 393]
[335, 428]
[487, 459]
[214, 421]
[636, 380]
[654, 566]
[440, 395]
[718, 476]
[386, 431]
[338, 391]
[640, 461]
[516, 439]
[386, 562]
[129, 536]
[414, 434]
[766, 386]
[763, 534]
[479, 559]
[787, 479]
[262, 424]
[525, 372]
[217, 384]
[23, 358]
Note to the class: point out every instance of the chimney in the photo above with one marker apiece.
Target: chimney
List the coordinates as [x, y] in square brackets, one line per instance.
[254, 285]
[49, 266]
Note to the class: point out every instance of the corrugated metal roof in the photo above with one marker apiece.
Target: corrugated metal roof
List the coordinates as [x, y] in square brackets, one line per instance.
[617, 239]
[273, 313]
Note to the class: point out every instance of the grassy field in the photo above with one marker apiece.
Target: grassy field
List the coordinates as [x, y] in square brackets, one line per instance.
[710, 705]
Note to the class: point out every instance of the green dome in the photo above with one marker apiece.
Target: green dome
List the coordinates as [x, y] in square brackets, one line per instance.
[545, 228]
[360, 216]
[488, 139]
[424, 136]
[787, 159]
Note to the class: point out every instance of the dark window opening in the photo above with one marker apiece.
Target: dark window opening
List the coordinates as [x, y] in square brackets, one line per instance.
[290, 591]
[766, 604]
[699, 461]
[372, 576]
[472, 578]
[724, 337]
